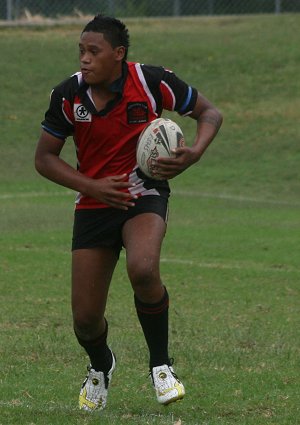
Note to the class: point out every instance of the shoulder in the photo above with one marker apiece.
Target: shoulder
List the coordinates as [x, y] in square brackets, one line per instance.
[68, 87]
[151, 73]
[157, 75]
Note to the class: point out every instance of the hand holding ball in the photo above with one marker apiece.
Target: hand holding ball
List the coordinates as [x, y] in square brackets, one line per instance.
[158, 139]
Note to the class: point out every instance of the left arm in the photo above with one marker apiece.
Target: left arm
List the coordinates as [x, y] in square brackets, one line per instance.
[209, 120]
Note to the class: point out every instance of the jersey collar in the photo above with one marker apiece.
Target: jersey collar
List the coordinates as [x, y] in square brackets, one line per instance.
[116, 86]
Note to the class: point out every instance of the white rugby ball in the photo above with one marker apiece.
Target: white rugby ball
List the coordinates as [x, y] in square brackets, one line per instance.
[157, 139]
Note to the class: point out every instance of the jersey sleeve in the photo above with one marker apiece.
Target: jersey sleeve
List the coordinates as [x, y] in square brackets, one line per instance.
[58, 118]
[171, 93]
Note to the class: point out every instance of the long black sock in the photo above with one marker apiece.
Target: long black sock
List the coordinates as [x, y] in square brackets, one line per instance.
[98, 351]
[154, 319]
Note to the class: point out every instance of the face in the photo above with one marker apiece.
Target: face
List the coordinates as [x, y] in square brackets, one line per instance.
[100, 63]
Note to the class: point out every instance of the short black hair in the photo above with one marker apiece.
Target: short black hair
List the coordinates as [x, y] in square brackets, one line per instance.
[113, 30]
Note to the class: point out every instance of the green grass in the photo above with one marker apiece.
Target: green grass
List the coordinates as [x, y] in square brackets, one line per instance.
[231, 254]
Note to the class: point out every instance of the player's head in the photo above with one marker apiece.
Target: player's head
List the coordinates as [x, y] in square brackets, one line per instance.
[113, 30]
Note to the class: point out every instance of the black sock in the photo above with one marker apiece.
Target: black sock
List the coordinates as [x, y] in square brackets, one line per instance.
[98, 351]
[154, 319]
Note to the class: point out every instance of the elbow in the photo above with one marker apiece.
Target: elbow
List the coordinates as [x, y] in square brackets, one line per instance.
[40, 164]
[215, 117]
[220, 117]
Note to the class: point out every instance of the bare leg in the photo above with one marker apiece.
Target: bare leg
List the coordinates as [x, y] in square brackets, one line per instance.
[92, 271]
[142, 236]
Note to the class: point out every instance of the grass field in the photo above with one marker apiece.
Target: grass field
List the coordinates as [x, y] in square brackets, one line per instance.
[231, 254]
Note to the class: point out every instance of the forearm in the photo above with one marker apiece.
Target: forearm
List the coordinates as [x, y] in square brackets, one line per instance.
[208, 125]
[57, 170]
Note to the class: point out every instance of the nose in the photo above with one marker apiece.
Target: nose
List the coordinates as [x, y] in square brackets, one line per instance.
[85, 57]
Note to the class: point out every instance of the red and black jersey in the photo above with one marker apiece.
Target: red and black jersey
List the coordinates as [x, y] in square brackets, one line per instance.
[106, 141]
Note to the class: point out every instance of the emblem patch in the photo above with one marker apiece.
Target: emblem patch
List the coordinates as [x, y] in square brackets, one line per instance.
[137, 112]
[81, 113]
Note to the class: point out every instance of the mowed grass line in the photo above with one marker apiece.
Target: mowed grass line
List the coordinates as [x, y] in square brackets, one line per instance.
[230, 258]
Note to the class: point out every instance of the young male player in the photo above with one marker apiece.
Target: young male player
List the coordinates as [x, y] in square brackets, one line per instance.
[104, 107]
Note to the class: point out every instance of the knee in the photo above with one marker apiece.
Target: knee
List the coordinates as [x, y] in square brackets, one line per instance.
[87, 326]
[142, 274]
[145, 280]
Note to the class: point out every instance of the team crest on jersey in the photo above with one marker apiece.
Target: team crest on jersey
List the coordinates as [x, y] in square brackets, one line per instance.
[81, 113]
[137, 112]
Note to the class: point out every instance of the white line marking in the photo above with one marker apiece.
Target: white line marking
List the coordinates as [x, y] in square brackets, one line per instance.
[189, 194]
[228, 266]
[35, 194]
[195, 194]
[281, 268]
[31, 406]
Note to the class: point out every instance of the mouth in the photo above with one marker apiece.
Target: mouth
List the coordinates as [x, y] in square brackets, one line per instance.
[85, 71]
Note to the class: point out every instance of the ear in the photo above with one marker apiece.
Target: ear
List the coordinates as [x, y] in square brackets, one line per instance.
[120, 53]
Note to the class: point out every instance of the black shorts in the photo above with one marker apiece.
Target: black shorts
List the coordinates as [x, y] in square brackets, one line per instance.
[102, 227]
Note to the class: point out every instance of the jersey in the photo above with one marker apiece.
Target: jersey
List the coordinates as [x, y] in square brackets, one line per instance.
[106, 140]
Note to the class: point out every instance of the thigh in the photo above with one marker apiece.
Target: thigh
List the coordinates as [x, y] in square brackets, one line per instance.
[92, 271]
[144, 230]
[142, 238]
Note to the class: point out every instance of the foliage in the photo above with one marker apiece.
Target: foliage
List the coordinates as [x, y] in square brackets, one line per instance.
[147, 8]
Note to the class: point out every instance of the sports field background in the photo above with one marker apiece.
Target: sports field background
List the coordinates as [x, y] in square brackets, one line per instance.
[231, 254]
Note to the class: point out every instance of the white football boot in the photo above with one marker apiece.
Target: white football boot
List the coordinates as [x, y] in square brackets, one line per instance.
[93, 393]
[167, 386]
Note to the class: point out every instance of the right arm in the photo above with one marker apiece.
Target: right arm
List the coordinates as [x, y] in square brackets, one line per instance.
[49, 164]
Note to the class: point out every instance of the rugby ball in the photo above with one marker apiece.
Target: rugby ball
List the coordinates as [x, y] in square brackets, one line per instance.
[157, 139]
